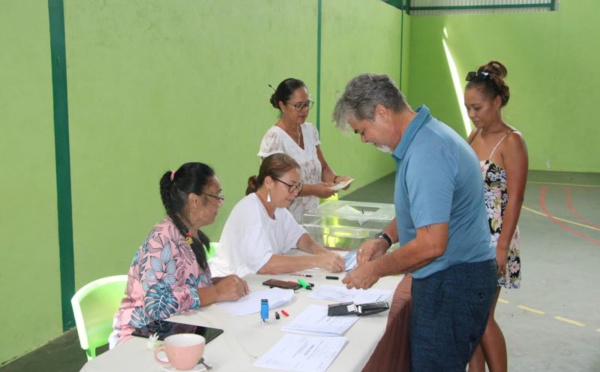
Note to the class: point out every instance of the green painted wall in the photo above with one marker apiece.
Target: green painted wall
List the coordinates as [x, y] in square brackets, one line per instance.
[30, 290]
[356, 39]
[552, 60]
[155, 84]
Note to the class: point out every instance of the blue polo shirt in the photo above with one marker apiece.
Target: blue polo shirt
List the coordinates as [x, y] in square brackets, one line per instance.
[438, 180]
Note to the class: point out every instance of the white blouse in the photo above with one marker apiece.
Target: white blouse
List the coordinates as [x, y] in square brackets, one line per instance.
[250, 237]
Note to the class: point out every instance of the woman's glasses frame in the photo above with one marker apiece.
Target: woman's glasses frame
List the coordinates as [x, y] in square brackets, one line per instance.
[291, 187]
[299, 106]
[220, 198]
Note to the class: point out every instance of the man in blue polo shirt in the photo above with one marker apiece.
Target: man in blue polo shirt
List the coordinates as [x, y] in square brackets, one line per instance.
[441, 223]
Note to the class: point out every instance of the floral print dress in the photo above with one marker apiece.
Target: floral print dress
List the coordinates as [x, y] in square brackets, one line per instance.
[276, 140]
[164, 278]
[496, 198]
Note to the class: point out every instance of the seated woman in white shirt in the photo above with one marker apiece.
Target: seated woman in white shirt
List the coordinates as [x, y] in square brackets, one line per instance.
[260, 230]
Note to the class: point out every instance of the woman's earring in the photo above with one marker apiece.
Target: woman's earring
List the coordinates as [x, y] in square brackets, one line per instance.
[268, 196]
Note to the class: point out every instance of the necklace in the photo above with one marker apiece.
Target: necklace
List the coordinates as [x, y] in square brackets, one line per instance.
[299, 137]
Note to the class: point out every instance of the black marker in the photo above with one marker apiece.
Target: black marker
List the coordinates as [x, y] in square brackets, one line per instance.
[331, 277]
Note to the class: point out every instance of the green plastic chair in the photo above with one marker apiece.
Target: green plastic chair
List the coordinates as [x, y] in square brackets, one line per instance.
[213, 249]
[94, 307]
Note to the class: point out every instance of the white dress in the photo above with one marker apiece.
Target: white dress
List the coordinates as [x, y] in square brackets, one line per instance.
[250, 237]
[276, 140]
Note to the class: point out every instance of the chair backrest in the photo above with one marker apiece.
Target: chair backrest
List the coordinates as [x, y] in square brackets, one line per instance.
[94, 307]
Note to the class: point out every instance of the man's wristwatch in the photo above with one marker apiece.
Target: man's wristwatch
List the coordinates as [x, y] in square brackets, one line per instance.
[386, 237]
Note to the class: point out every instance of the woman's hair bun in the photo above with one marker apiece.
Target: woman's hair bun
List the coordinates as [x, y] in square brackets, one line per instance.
[496, 68]
[273, 101]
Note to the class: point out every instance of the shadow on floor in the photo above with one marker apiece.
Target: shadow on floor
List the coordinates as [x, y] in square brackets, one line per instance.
[62, 354]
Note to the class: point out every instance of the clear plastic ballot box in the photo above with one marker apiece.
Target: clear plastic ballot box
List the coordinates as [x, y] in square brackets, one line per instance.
[346, 224]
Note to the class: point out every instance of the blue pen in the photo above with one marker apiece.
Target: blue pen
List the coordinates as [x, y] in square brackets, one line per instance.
[264, 309]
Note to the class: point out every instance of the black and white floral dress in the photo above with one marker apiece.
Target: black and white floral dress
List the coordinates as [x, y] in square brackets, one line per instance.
[496, 198]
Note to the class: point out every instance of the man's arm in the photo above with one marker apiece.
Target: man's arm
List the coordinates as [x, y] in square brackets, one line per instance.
[429, 244]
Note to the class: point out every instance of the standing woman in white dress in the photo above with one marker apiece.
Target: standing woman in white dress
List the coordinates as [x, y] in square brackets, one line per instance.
[295, 137]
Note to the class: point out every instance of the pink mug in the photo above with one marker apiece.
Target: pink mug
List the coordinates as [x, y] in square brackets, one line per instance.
[183, 350]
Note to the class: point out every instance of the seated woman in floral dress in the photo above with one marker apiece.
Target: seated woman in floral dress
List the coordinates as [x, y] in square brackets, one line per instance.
[169, 274]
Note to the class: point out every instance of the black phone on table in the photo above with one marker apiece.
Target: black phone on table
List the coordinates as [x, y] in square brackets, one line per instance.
[165, 328]
[282, 284]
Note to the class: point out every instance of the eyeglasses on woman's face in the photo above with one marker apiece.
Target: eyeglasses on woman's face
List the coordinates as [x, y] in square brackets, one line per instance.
[219, 198]
[299, 106]
[291, 187]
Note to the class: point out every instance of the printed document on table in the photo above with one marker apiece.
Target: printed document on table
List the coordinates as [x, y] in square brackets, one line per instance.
[302, 353]
[250, 303]
[314, 319]
[340, 293]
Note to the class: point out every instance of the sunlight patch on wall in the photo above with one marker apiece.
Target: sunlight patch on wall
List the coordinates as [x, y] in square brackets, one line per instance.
[458, 85]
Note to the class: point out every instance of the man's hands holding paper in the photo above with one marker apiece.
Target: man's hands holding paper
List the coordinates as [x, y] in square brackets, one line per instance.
[370, 250]
[362, 277]
[365, 275]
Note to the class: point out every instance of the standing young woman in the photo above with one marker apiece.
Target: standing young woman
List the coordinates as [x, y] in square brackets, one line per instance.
[504, 162]
[293, 136]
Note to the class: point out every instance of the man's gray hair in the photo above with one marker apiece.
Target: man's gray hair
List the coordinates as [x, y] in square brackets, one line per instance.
[362, 94]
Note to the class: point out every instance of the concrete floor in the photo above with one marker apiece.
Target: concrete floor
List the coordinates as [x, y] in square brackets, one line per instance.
[551, 324]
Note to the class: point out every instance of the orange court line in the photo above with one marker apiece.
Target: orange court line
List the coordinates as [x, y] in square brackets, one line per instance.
[560, 219]
[574, 211]
[560, 224]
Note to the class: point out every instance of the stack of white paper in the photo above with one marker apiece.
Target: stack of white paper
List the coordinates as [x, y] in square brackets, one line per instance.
[315, 320]
[251, 303]
[302, 353]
